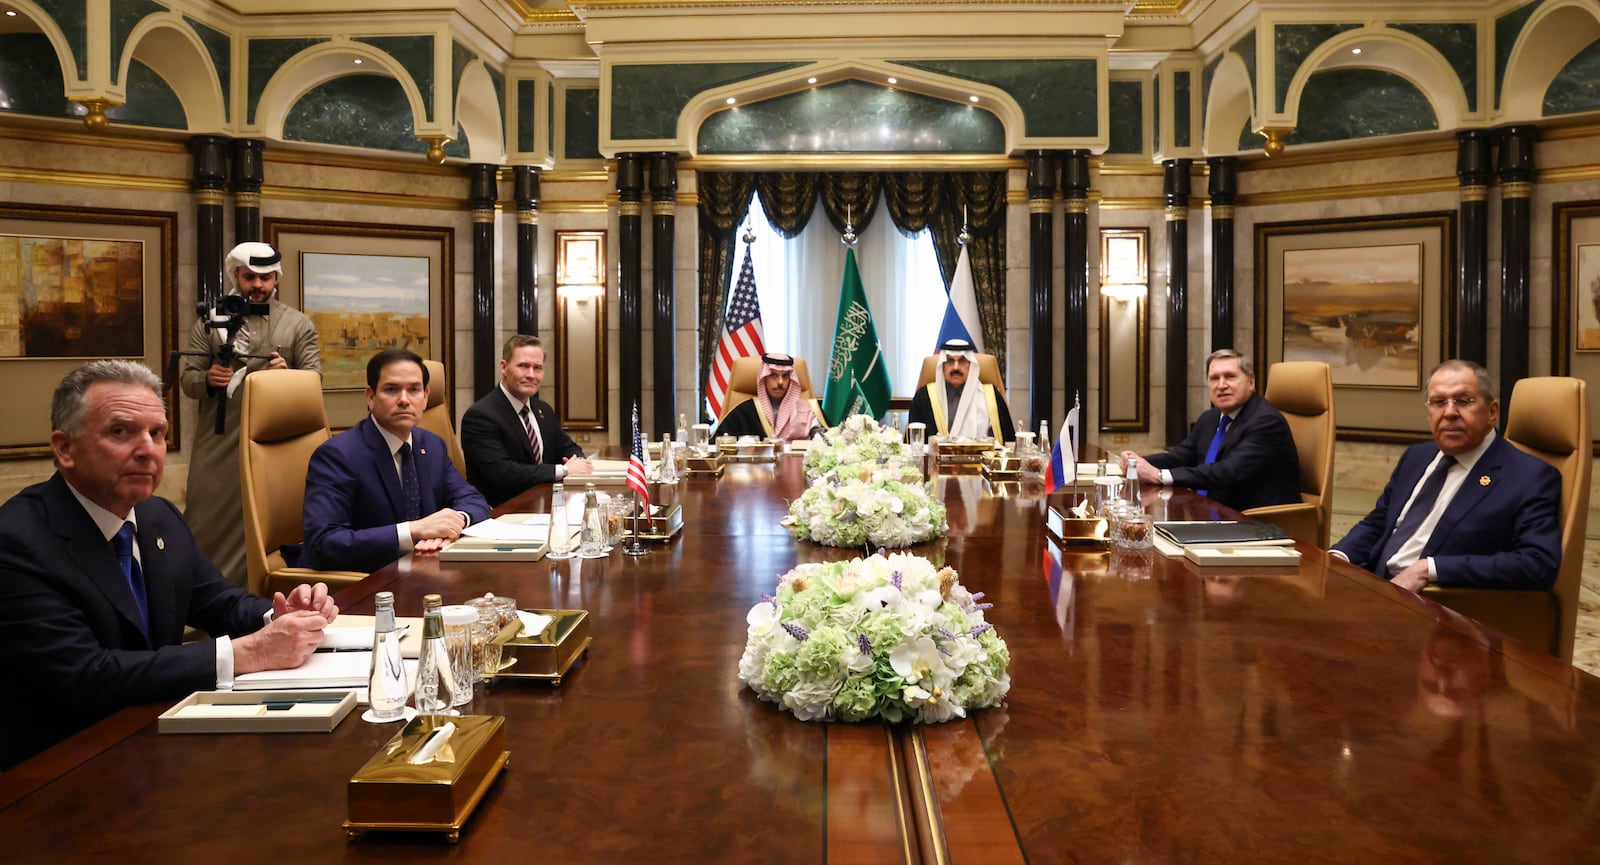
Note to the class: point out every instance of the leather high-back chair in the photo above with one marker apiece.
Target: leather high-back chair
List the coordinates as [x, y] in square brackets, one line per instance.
[988, 373]
[744, 383]
[282, 421]
[438, 418]
[1303, 391]
[1549, 419]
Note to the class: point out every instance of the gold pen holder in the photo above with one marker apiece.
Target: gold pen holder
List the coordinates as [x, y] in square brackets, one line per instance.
[547, 655]
[1069, 528]
[391, 794]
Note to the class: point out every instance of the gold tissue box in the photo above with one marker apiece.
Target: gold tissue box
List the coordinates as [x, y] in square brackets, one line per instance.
[547, 655]
[660, 526]
[1069, 528]
[1002, 465]
[946, 451]
[743, 451]
[392, 794]
[704, 465]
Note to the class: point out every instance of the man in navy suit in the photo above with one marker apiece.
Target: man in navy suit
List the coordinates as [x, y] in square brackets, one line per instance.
[1468, 508]
[385, 487]
[1240, 452]
[98, 577]
[511, 438]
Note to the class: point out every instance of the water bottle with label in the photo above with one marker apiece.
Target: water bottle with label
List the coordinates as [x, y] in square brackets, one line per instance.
[592, 544]
[560, 530]
[386, 683]
[435, 685]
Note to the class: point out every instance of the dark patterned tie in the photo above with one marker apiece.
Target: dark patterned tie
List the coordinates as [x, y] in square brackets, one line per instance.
[1216, 445]
[533, 436]
[132, 572]
[410, 489]
[1427, 496]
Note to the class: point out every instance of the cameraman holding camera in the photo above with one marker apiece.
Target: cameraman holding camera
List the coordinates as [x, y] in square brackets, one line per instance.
[247, 331]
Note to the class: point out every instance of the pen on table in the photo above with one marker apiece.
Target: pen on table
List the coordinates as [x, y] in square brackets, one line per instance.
[292, 702]
[433, 744]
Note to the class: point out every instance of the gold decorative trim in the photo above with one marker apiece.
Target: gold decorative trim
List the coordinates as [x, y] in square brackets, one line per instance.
[586, 207]
[930, 818]
[96, 120]
[93, 179]
[1221, 211]
[1338, 193]
[378, 199]
[527, 217]
[210, 197]
[1175, 213]
[1568, 174]
[404, 163]
[1517, 189]
[1040, 205]
[1133, 202]
[574, 176]
[664, 207]
[1475, 192]
[247, 199]
[1075, 205]
[122, 140]
[859, 161]
[630, 208]
[1126, 169]
[1323, 158]
[483, 215]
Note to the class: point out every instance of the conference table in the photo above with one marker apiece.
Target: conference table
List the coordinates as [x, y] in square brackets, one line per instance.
[1159, 713]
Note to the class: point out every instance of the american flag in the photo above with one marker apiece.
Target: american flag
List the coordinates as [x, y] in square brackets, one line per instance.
[741, 335]
[636, 469]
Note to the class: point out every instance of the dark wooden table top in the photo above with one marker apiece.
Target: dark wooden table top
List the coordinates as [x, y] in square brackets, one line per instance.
[1158, 714]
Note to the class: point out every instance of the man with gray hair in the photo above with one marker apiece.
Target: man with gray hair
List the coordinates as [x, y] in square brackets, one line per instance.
[99, 577]
[269, 335]
[1240, 452]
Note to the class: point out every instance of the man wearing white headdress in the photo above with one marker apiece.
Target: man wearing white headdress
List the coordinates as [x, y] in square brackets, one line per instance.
[777, 410]
[956, 404]
[279, 337]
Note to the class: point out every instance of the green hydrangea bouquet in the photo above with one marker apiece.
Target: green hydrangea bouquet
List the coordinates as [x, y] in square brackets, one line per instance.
[877, 506]
[886, 636]
[858, 442]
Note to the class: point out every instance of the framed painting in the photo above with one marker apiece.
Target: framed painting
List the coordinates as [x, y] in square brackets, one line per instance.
[76, 285]
[1369, 296]
[367, 287]
[1575, 296]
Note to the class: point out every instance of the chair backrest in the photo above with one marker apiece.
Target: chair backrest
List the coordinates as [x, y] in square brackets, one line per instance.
[282, 421]
[1549, 418]
[988, 373]
[438, 419]
[1303, 391]
[743, 383]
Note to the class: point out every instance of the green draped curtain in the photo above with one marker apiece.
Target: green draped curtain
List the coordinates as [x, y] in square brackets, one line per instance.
[916, 200]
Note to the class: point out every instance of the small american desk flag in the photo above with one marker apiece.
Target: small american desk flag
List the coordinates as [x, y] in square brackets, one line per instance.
[636, 469]
[741, 335]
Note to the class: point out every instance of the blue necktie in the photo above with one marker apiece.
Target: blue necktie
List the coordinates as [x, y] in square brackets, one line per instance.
[132, 572]
[410, 489]
[1216, 444]
[1421, 506]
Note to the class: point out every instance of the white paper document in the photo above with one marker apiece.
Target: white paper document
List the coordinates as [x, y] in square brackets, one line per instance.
[321, 670]
[531, 531]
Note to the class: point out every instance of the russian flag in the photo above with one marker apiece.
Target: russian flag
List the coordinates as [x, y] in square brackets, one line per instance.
[1064, 455]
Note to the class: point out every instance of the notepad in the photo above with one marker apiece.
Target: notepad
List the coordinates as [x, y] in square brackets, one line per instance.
[1225, 533]
[321, 670]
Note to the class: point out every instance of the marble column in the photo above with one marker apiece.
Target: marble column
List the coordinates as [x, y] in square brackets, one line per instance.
[525, 189]
[1075, 262]
[1471, 323]
[1516, 173]
[210, 176]
[483, 192]
[1041, 324]
[630, 321]
[247, 177]
[663, 227]
[1175, 188]
[1224, 192]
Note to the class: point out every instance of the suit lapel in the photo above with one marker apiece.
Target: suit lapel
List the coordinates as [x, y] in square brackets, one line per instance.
[90, 551]
[512, 423]
[383, 465]
[1475, 488]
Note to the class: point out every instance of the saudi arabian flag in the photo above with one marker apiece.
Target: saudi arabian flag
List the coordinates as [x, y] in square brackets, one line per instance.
[858, 382]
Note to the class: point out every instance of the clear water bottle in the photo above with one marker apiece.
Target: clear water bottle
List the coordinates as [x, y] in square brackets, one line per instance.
[683, 429]
[386, 683]
[1130, 485]
[435, 685]
[592, 543]
[669, 463]
[560, 531]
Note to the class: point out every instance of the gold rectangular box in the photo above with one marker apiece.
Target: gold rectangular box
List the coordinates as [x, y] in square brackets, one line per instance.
[1002, 465]
[389, 793]
[748, 452]
[547, 655]
[1070, 529]
[658, 527]
[974, 453]
[704, 465]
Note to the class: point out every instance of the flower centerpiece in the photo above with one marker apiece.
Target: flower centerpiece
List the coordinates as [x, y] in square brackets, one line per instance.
[886, 636]
[858, 441]
[880, 506]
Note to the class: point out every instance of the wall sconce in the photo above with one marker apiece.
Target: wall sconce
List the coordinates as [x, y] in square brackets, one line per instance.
[1124, 269]
[580, 265]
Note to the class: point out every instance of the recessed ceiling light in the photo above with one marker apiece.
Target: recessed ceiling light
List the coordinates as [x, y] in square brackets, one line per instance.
[1355, 51]
[894, 81]
[972, 98]
[11, 13]
[811, 80]
[731, 100]
[358, 61]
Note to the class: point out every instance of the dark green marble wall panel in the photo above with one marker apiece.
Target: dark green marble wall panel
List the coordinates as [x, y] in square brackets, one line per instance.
[1506, 30]
[461, 147]
[646, 98]
[1343, 104]
[1127, 117]
[126, 15]
[368, 111]
[498, 79]
[1577, 86]
[1248, 139]
[1058, 98]
[1206, 77]
[1246, 49]
[1155, 111]
[72, 16]
[1459, 44]
[30, 76]
[460, 56]
[1182, 110]
[263, 57]
[151, 101]
[550, 126]
[415, 56]
[1292, 44]
[853, 117]
[220, 46]
[525, 112]
[582, 113]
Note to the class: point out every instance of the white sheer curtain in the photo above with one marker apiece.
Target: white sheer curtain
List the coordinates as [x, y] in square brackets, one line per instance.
[798, 281]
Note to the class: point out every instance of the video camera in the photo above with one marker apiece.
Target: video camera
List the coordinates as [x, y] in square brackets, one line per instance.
[227, 317]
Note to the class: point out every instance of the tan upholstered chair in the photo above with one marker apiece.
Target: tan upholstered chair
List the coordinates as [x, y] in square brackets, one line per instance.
[1303, 391]
[743, 384]
[1548, 418]
[988, 373]
[282, 421]
[438, 418]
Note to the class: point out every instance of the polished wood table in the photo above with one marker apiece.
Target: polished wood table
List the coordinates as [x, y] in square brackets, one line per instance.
[1158, 714]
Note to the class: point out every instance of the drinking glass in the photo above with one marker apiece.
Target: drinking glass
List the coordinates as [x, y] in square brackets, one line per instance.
[917, 437]
[700, 439]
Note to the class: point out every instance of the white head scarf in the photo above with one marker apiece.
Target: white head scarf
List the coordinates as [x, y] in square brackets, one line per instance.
[969, 415]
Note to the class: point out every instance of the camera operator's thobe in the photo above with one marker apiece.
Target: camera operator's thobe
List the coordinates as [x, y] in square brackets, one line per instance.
[284, 338]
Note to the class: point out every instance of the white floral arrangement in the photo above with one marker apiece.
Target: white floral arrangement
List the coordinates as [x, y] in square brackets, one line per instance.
[877, 506]
[859, 441]
[886, 636]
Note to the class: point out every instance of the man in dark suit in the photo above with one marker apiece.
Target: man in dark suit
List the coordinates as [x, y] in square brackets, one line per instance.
[1240, 452]
[385, 487]
[98, 577]
[511, 438]
[1468, 508]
